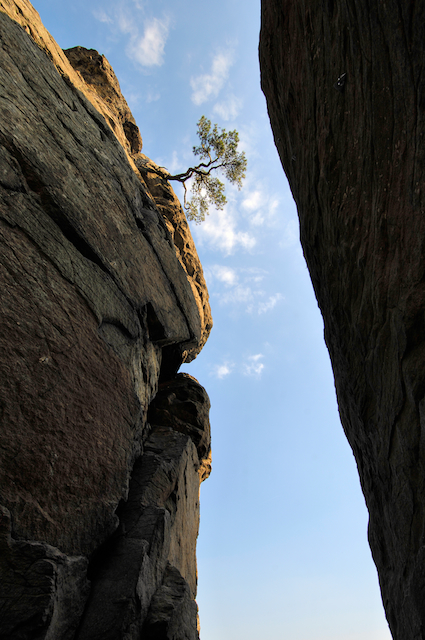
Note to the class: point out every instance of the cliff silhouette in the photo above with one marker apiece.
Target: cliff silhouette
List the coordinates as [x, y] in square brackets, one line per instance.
[344, 90]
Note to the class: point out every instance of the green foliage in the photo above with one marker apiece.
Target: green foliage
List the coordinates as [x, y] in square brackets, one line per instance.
[218, 151]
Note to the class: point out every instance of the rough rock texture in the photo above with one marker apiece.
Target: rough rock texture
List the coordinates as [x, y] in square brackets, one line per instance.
[170, 207]
[344, 88]
[99, 510]
[183, 404]
[99, 76]
[102, 81]
[171, 608]
[157, 534]
[24, 13]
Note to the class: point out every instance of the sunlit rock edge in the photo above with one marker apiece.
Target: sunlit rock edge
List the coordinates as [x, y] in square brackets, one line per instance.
[103, 444]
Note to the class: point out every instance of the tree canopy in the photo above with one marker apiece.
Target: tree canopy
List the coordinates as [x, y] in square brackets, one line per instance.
[218, 151]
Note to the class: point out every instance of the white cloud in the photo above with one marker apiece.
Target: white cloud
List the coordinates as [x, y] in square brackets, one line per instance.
[224, 274]
[145, 48]
[263, 307]
[148, 50]
[152, 96]
[254, 274]
[223, 370]
[239, 294]
[258, 219]
[219, 230]
[229, 108]
[125, 23]
[102, 16]
[254, 367]
[261, 207]
[242, 288]
[253, 201]
[208, 85]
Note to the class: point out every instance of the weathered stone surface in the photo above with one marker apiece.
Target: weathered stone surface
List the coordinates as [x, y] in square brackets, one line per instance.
[183, 404]
[101, 80]
[52, 141]
[100, 77]
[344, 89]
[173, 613]
[158, 529]
[170, 207]
[68, 408]
[42, 591]
[24, 13]
[96, 310]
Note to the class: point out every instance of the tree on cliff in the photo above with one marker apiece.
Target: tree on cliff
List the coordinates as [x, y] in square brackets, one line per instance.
[218, 151]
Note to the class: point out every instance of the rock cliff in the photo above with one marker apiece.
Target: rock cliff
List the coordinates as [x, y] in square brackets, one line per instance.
[102, 444]
[344, 88]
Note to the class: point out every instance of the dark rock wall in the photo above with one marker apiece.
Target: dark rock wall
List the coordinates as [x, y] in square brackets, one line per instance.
[345, 94]
[99, 501]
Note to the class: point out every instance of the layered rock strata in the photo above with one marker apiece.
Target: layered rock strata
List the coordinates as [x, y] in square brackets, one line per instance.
[344, 90]
[99, 503]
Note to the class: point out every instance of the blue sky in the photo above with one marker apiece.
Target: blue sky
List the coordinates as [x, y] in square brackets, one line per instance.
[283, 547]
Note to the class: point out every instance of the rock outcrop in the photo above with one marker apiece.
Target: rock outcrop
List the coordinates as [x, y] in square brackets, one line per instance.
[344, 90]
[100, 78]
[168, 204]
[99, 307]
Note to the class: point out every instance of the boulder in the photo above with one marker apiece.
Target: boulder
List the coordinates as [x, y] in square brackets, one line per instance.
[99, 76]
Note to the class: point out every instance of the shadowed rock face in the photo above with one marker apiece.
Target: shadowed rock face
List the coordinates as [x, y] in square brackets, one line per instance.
[99, 510]
[345, 97]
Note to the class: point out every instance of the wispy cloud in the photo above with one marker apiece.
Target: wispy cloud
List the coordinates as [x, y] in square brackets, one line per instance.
[146, 44]
[208, 85]
[175, 163]
[253, 200]
[220, 231]
[242, 288]
[228, 109]
[224, 274]
[269, 304]
[102, 16]
[238, 295]
[148, 50]
[124, 21]
[223, 370]
[253, 366]
[261, 206]
[152, 96]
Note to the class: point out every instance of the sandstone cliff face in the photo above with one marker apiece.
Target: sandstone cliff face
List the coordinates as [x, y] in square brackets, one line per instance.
[99, 499]
[344, 89]
[175, 219]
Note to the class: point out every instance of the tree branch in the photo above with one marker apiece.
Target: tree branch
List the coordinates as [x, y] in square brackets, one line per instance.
[218, 150]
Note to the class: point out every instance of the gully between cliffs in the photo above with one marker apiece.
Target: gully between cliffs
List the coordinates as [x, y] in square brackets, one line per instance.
[343, 83]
